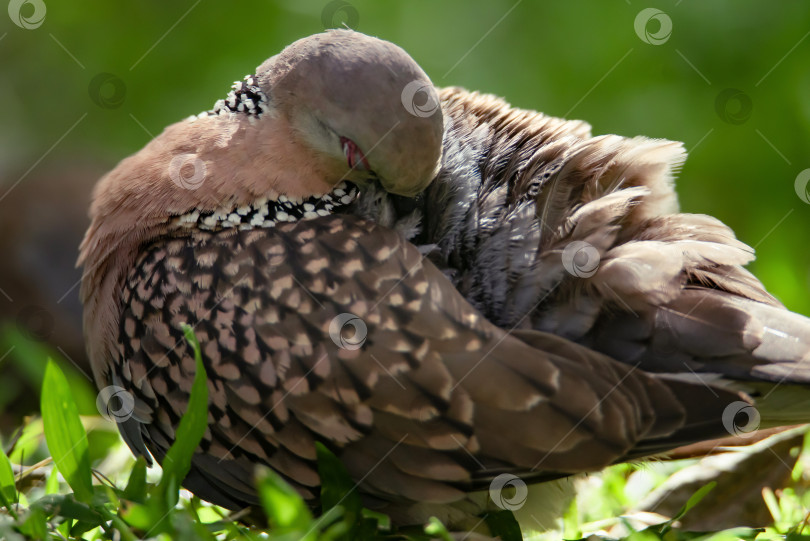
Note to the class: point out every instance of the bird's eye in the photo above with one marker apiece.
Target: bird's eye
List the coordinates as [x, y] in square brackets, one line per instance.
[354, 156]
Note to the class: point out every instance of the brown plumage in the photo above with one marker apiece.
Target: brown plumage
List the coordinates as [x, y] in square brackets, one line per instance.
[488, 347]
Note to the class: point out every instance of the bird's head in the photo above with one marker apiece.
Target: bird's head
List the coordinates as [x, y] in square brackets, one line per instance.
[362, 105]
[330, 107]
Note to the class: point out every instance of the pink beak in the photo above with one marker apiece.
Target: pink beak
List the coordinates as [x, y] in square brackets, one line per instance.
[354, 156]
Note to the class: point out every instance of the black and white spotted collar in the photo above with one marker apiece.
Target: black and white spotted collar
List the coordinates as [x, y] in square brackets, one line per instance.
[267, 212]
[245, 97]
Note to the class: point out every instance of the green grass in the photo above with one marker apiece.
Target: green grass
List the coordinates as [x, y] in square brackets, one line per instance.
[69, 476]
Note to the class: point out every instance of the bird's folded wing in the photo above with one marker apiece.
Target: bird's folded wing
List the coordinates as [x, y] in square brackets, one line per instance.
[337, 330]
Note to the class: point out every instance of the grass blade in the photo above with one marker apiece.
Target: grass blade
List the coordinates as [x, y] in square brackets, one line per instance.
[177, 462]
[286, 510]
[337, 487]
[503, 525]
[64, 433]
[8, 489]
[137, 486]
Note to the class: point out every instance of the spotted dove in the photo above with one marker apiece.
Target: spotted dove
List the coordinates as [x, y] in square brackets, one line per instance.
[437, 286]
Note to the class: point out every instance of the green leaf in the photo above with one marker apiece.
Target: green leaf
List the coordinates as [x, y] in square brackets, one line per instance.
[64, 528]
[66, 437]
[35, 525]
[8, 488]
[648, 534]
[436, 529]
[28, 442]
[122, 528]
[141, 516]
[67, 506]
[337, 487]
[136, 485]
[695, 499]
[80, 527]
[664, 528]
[382, 520]
[503, 524]
[52, 484]
[333, 526]
[177, 462]
[286, 510]
[102, 440]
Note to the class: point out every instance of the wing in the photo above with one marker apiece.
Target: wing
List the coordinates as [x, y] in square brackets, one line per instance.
[541, 225]
[664, 290]
[337, 330]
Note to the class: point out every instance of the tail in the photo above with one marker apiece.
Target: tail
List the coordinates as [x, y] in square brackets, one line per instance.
[738, 337]
[723, 340]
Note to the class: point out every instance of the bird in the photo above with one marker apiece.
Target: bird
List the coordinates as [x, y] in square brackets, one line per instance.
[440, 288]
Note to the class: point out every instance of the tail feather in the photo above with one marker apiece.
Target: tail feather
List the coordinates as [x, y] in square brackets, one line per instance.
[708, 331]
[742, 338]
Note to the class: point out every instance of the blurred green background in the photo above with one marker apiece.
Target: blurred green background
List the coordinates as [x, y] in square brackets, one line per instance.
[88, 83]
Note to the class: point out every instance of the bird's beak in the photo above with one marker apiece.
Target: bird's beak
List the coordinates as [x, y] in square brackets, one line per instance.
[357, 161]
[355, 158]
[403, 178]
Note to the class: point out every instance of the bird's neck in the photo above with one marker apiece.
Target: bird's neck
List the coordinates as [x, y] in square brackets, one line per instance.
[203, 164]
